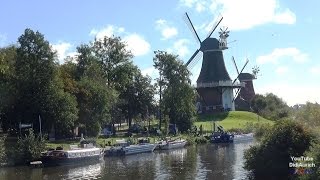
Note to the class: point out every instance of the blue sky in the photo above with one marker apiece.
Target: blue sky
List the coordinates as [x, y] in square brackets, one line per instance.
[279, 36]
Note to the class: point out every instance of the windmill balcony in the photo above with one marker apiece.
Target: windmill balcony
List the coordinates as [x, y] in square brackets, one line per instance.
[220, 84]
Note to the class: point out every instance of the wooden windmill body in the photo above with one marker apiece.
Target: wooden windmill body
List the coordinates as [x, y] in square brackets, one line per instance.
[214, 85]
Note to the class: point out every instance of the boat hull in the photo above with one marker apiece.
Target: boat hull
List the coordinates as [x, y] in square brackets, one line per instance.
[132, 149]
[60, 161]
[172, 145]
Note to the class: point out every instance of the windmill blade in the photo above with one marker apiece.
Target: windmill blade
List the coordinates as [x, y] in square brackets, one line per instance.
[214, 27]
[237, 93]
[241, 71]
[194, 54]
[196, 59]
[234, 62]
[191, 27]
[244, 65]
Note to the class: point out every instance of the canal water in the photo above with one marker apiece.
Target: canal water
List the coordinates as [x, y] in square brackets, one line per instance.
[209, 161]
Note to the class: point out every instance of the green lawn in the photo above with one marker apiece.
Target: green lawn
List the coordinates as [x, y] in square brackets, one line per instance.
[230, 120]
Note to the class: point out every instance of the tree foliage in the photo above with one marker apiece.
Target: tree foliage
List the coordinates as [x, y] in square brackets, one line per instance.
[308, 114]
[270, 106]
[271, 157]
[178, 95]
[100, 85]
[30, 147]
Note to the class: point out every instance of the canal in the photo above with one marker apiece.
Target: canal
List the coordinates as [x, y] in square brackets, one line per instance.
[209, 161]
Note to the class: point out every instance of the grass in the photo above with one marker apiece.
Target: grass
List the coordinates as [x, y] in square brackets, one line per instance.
[231, 120]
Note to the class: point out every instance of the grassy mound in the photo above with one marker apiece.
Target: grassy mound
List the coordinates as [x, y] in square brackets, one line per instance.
[231, 120]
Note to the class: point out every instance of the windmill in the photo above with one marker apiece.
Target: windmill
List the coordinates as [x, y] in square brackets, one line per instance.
[244, 94]
[214, 84]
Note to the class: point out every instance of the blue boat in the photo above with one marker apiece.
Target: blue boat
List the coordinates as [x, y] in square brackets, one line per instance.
[221, 136]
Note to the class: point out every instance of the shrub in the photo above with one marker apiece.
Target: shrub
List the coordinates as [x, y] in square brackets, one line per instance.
[273, 155]
[201, 140]
[314, 153]
[29, 148]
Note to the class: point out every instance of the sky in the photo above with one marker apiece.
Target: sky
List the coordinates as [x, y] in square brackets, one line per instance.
[281, 37]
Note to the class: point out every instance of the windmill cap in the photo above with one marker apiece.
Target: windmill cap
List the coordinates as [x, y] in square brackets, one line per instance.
[210, 44]
[246, 76]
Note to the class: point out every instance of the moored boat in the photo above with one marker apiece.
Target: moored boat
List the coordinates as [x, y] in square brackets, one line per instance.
[122, 147]
[172, 144]
[86, 153]
[243, 138]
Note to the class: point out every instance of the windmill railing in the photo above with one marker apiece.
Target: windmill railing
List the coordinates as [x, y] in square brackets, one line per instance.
[220, 84]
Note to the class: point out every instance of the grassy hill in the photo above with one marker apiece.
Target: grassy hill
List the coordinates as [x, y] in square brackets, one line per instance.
[231, 120]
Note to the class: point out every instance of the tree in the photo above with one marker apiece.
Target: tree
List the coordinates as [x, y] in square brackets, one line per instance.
[178, 95]
[94, 95]
[270, 158]
[258, 103]
[308, 114]
[8, 91]
[270, 106]
[40, 90]
[29, 147]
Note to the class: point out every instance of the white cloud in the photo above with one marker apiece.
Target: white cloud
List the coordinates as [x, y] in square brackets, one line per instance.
[282, 70]
[62, 49]
[315, 70]
[180, 48]
[283, 53]
[292, 94]
[137, 45]
[167, 31]
[244, 14]
[150, 71]
[107, 31]
[135, 42]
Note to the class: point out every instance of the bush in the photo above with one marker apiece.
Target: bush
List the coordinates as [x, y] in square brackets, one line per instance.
[201, 140]
[314, 153]
[29, 148]
[190, 139]
[261, 130]
[273, 155]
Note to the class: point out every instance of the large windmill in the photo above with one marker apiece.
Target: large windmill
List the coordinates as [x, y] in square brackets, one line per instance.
[214, 84]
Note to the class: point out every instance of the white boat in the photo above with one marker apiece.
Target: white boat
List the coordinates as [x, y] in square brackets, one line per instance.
[86, 153]
[172, 144]
[122, 147]
[243, 137]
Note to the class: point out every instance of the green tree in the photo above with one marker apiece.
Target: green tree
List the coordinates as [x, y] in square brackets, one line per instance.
[178, 95]
[8, 91]
[40, 89]
[270, 106]
[29, 148]
[308, 114]
[270, 158]
[258, 103]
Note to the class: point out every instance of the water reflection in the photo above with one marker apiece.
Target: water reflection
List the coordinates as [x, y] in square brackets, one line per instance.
[209, 161]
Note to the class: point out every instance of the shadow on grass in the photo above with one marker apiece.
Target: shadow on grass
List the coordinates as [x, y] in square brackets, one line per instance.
[212, 117]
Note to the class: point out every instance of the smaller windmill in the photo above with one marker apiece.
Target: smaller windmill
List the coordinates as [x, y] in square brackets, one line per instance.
[244, 94]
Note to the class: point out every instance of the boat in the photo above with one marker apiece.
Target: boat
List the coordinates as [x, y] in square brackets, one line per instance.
[171, 144]
[221, 136]
[243, 138]
[122, 147]
[59, 156]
